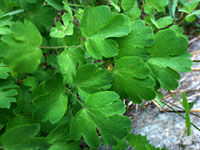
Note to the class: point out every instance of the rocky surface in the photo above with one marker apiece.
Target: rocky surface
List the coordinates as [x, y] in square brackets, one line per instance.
[168, 129]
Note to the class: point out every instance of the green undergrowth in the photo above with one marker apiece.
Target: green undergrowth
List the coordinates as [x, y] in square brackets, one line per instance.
[66, 66]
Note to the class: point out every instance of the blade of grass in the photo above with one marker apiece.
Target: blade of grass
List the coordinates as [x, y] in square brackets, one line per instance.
[186, 106]
[180, 115]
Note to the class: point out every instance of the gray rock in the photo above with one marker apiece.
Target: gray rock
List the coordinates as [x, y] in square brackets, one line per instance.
[164, 129]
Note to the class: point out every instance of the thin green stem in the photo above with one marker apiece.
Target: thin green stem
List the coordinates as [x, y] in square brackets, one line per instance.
[196, 60]
[180, 115]
[76, 98]
[175, 97]
[76, 5]
[59, 47]
[181, 22]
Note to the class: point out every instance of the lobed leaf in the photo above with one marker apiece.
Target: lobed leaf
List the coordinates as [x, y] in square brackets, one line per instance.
[98, 24]
[20, 50]
[101, 110]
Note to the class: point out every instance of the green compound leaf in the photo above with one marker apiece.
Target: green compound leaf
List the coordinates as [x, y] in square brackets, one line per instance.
[131, 8]
[19, 133]
[90, 79]
[162, 22]
[189, 6]
[68, 61]
[167, 56]
[140, 143]
[101, 110]
[60, 133]
[157, 4]
[7, 93]
[132, 44]
[23, 137]
[19, 50]
[131, 79]
[60, 30]
[98, 24]
[52, 104]
[42, 16]
[4, 71]
[56, 4]
[65, 146]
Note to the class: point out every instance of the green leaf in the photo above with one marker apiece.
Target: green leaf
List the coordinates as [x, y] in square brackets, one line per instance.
[57, 4]
[65, 146]
[121, 145]
[19, 50]
[114, 3]
[22, 137]
[19, 133]
[189, 6]
[190, 18]
[132, 44]
[60, 30]
[12, 13]
[131, 79]
[186, 106]
[160, 23]
[4, 71]
[68, 61]
[30, 81]
[60, 133]
[140, 143]
[164, 21]
[101, 110]
[131, 8]
[90, 79]
[98, 24]
[5, 30]
[157, 4]
[42, 16]
[172, 7]
[7, 94]
[51, 105]
[148, 9]
[167, 55]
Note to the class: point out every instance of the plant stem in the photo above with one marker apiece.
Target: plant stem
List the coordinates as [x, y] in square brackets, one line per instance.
[59, 47]
[196, 69]
[175, 97]
[76, 98]
[181, 22]
[196, 60]
[76, 5]
[180, 115]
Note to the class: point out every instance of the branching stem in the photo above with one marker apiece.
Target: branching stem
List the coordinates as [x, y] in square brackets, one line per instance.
[76, 98]
[59, 47]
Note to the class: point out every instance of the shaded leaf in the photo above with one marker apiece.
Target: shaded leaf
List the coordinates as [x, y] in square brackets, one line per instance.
[90, 79]
[19, 50]
[52, 104]
[7, 94]
[101, 110]
[98, 24]
[131, 79]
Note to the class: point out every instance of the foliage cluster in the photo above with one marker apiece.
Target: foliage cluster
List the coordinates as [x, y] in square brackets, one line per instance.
[65, 67]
